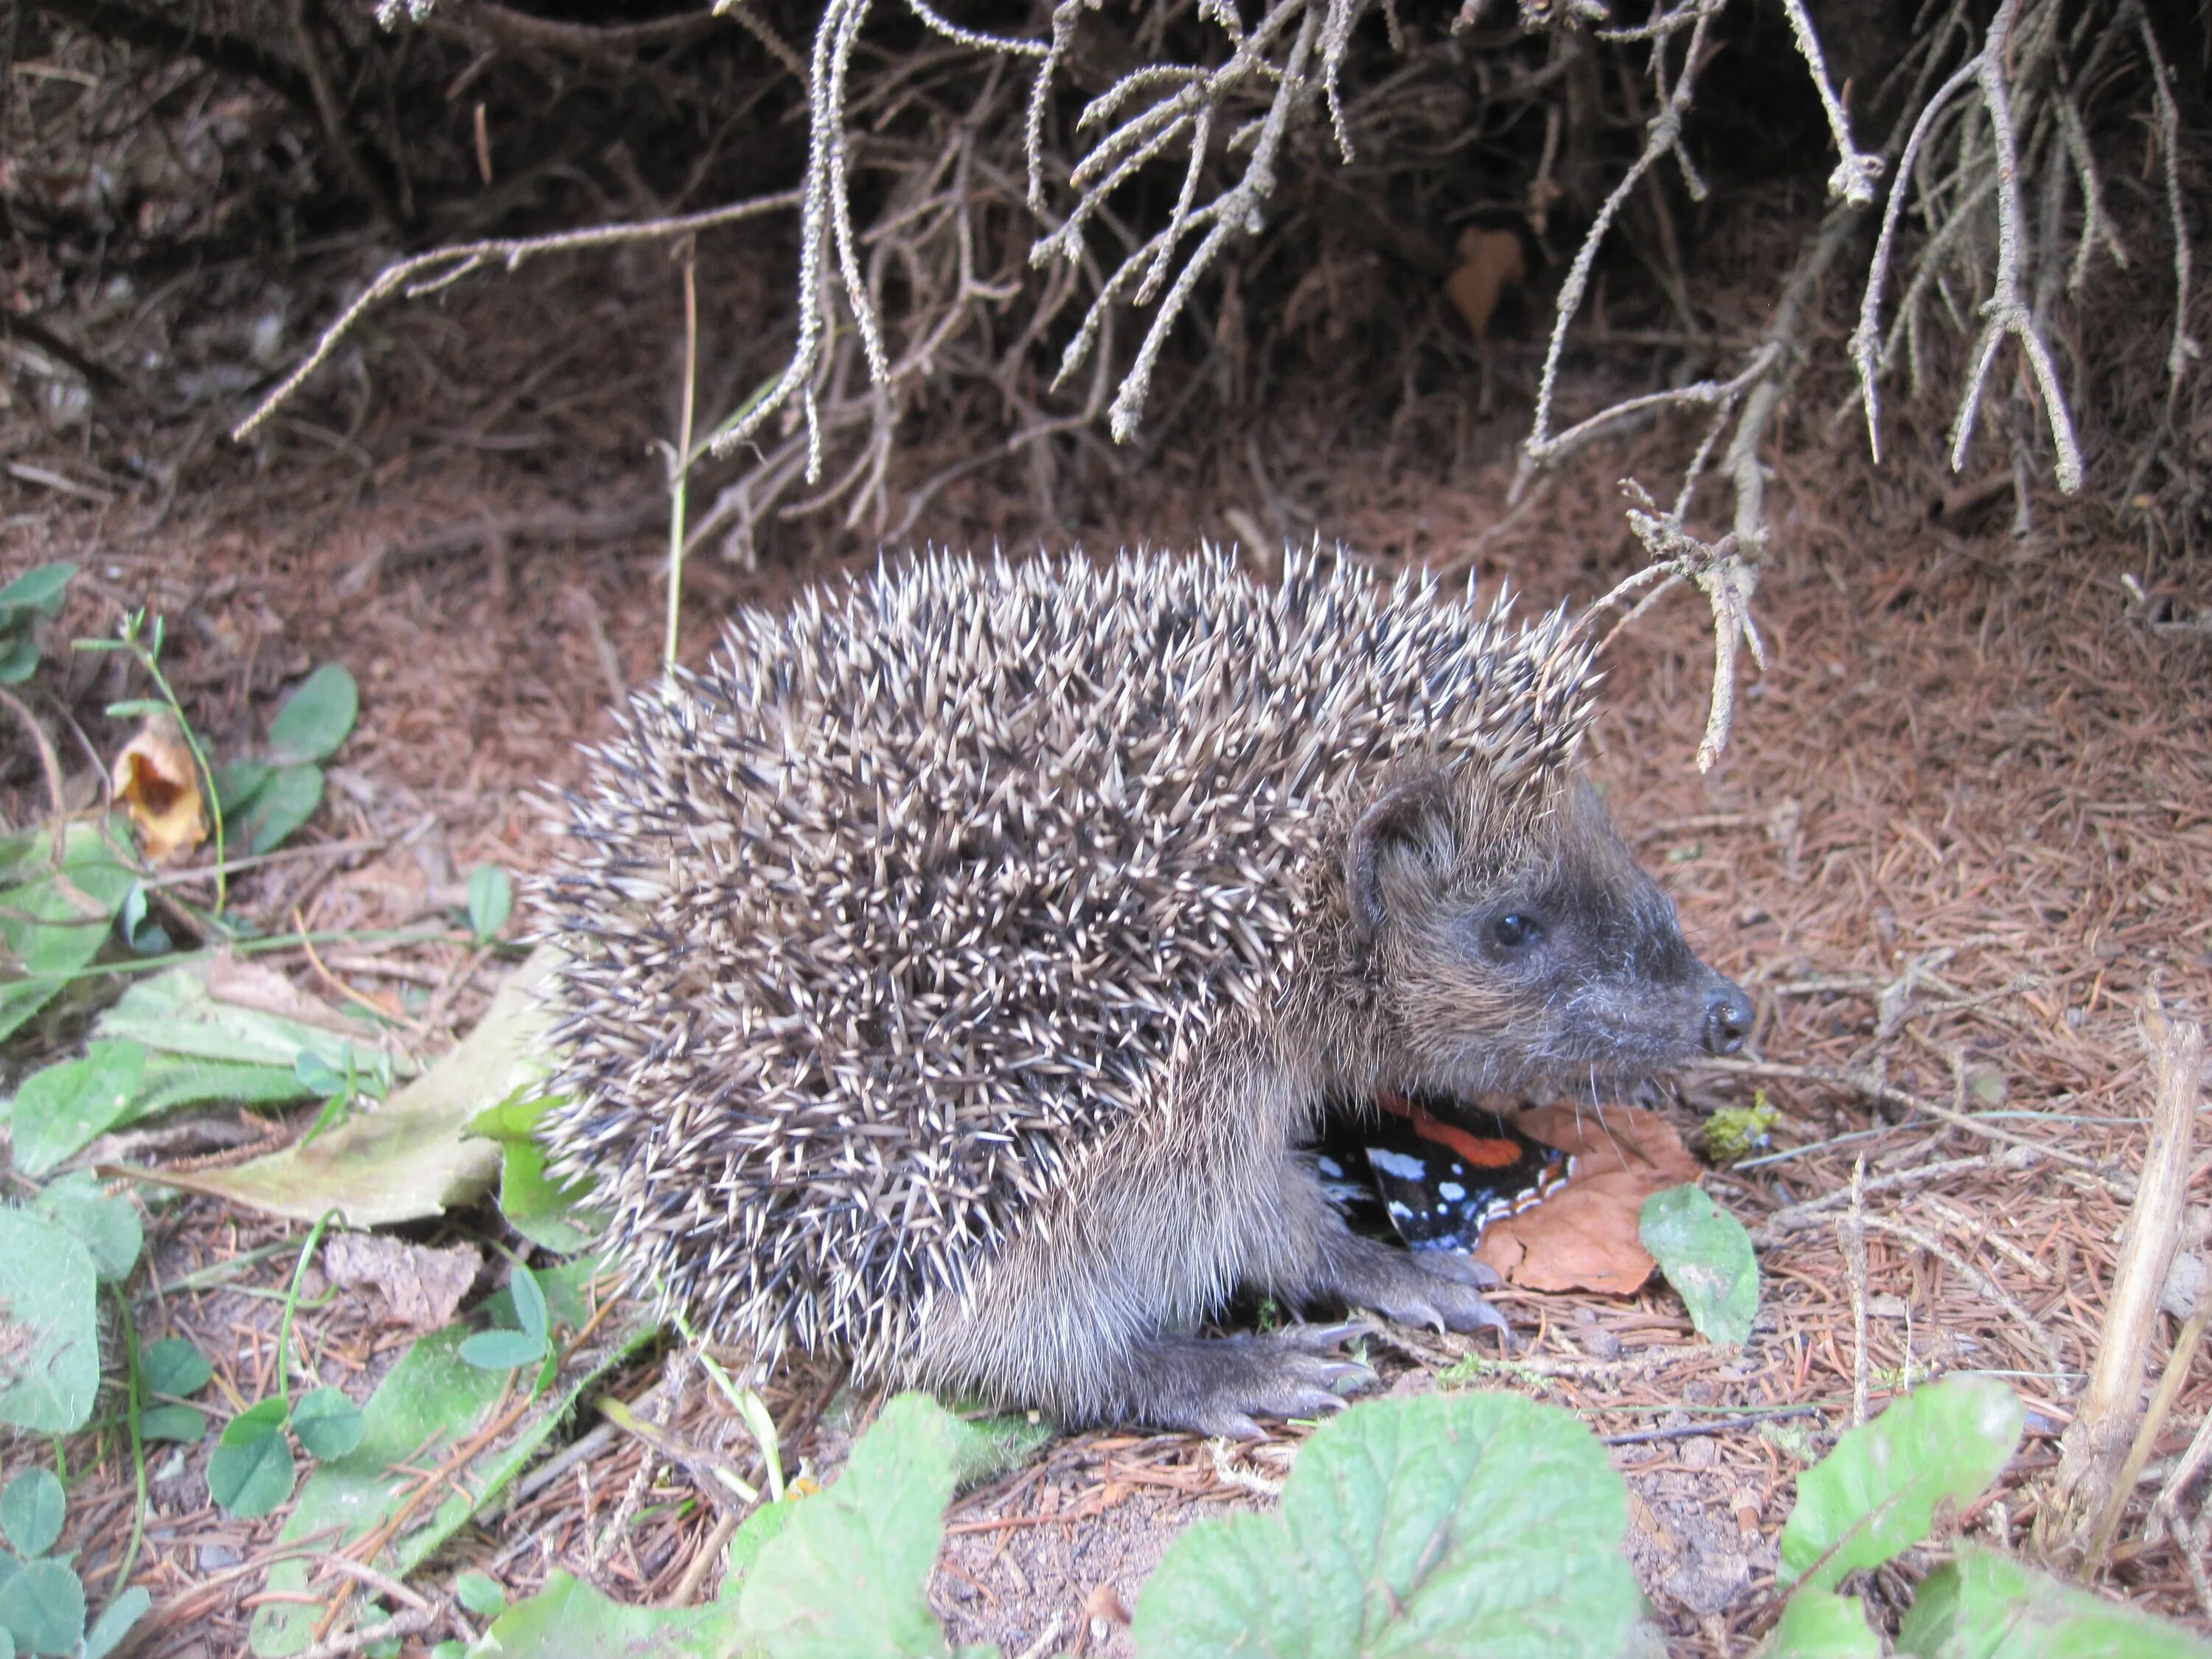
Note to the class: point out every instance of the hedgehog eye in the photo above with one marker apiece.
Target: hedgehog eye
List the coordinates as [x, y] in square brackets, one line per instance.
[1515, 931]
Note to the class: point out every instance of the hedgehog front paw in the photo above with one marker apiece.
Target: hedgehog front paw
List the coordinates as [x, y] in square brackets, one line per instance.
[1218, 1386]
[1441, 1289]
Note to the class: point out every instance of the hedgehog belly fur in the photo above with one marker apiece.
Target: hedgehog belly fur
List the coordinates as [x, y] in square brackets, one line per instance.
[915, 903]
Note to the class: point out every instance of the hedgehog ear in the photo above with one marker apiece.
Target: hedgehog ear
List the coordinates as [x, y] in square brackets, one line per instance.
[1406, 820]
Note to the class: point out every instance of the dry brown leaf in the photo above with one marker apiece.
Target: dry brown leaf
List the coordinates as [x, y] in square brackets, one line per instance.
[422, 1286]
[1584, 1237]
[157, 779]
[1490, 262]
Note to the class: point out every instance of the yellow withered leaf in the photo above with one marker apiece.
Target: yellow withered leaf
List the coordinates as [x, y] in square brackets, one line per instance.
[1490, 263]
[156, 780]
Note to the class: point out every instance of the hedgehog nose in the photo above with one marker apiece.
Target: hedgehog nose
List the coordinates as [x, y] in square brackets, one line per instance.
[1728, 1020]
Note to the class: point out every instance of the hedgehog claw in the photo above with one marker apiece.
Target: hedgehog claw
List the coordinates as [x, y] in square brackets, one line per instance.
[1441, 1289]
[1318, 1339]
[1465, 1269]
[1219, 1386]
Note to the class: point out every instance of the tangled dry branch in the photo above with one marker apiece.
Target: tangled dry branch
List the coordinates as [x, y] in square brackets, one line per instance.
[1992, 207]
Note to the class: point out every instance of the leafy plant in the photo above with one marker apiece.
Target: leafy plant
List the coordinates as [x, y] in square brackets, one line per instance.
[503, 1348]
[491, 903]
[175, 1369]
[1818, 1623]
[1986, 1606]
[54, 918]
[434, 1397]
[54, 1255]
[1878, 1491]
[1707, 1257]
[35, 597]
[199, 1032]
[1404, 1523]
[251, 1471]
[341, 1085]
[268, 799]
[1885, 1488]
[42, 1600]
[545, 1212]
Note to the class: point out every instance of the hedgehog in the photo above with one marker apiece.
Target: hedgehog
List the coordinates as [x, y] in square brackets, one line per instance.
[956, 973]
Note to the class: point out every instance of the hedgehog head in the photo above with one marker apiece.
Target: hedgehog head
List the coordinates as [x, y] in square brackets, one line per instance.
[1510, 941]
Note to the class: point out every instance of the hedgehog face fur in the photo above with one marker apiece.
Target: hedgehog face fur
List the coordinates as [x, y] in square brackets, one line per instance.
[1540, 958]
[955, 969]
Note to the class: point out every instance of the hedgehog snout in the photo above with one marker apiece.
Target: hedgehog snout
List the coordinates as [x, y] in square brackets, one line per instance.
[1728, 1017]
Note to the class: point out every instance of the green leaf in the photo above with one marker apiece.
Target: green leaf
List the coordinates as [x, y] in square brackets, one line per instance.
[1819, 1624]
[318, 1075]
[985, 1446]
[56, 922]
[480, 1594]
[503, 1350]
[566, 1618]
[317, 717]
[19, 656]
[848, 1573]
[545, 1212]
[114, 1624]
[529, 1302]
[232, 1015]
[1881, 1488]
[328, 1423]
[43, 1607]
[108, 1228]
[237, 787]
[41, 588]
[185, 1425]
[145, 939]
[491, 901]
[61, 1110]
[135, 709]
[251, 1471]
[1989, 1606]
[430, 1403]
[1707, 1257]
[175, 1080]
[288, 800]
[1407, 1525]
[32, 1511]
[49, 1358]
[174, 1366]
[411, 1158]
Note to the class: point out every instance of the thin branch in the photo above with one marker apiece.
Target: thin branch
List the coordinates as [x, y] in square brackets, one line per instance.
[425, 273]
[2184, 346]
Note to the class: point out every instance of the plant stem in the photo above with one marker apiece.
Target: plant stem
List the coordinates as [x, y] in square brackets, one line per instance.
[679, 466]
[291, 1300]
[137, 1445]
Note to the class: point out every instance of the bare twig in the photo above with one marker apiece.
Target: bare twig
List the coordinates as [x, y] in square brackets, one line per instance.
[2161, 1407]
[56, 799]
[1850, 1232]
[2185, 348]
[425, 273]
[2091, 1454]
[680, 458]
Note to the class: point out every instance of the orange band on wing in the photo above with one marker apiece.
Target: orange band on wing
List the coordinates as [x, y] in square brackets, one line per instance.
[1482, 1153]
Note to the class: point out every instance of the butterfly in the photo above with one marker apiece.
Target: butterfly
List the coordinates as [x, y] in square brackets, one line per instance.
[1442, 1172]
